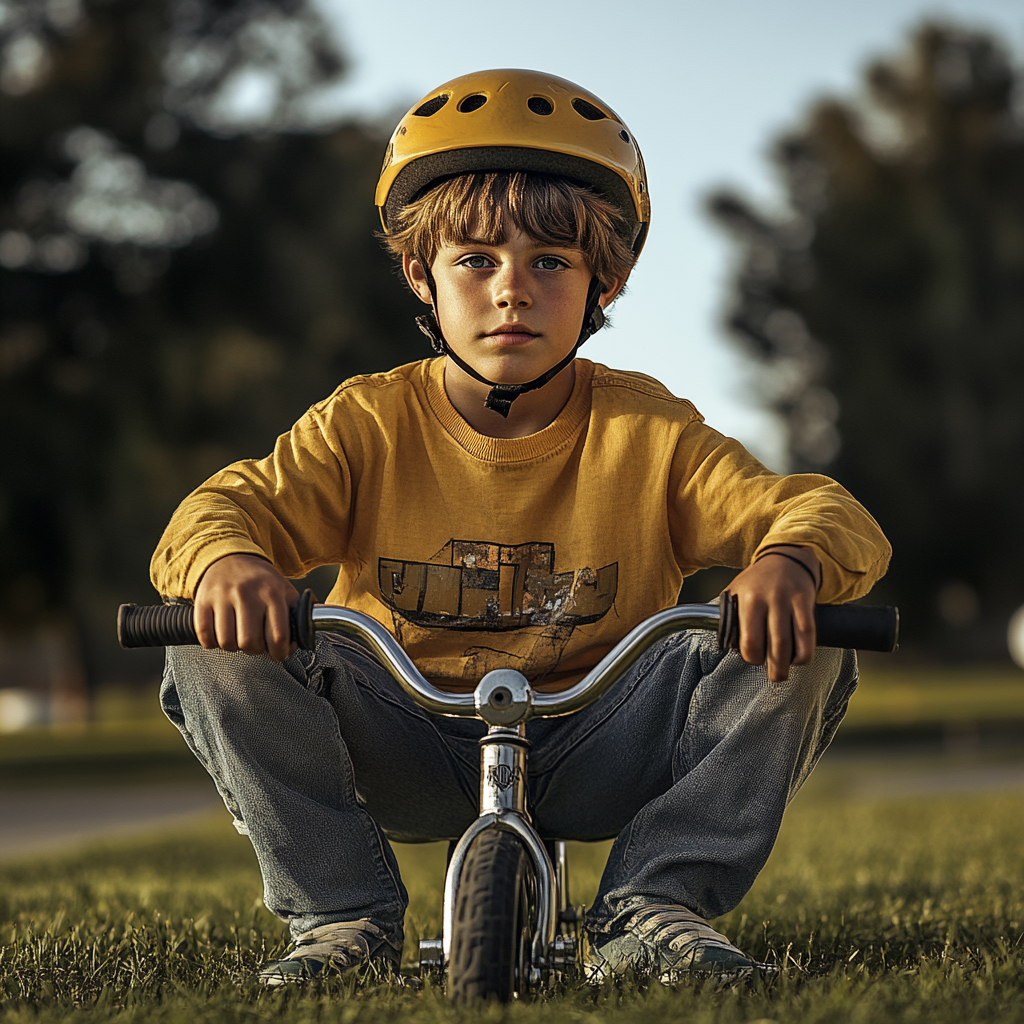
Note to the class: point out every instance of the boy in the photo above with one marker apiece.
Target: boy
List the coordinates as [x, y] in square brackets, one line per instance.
[510, 505]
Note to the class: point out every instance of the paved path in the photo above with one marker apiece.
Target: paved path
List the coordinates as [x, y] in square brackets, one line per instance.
[35, 820]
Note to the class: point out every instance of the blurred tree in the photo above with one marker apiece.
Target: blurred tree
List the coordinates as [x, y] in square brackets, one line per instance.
[885, 310]
[187, 261]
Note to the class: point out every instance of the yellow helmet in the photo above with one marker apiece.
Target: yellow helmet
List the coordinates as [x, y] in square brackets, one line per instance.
[512, 120]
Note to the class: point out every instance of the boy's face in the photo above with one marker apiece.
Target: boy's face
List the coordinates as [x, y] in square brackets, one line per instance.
[512, 311]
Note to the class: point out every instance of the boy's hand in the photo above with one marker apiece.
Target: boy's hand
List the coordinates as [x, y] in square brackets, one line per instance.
[776, 609]
[241, 604]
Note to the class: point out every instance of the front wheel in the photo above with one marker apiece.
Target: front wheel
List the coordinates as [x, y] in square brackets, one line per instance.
[492, 926]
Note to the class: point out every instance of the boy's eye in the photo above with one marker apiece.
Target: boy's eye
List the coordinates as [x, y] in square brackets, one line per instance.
[476, 262]
[549, 263]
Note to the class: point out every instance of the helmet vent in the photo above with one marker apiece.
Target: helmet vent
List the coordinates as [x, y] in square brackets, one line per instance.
[541, 105]
[624, 135]
[431, 106]
[588, 110]
[471, 103]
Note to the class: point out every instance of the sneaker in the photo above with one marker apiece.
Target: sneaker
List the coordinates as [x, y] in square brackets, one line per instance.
[335, 949]
[668, 942]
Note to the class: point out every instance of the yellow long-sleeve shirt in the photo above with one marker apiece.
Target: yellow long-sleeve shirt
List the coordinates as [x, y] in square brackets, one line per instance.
[537, 553]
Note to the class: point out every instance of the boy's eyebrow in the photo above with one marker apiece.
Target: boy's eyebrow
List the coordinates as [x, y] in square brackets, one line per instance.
[465, 243]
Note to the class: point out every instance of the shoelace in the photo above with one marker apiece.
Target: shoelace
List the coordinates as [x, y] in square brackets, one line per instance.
[346, 942]
[676, 928]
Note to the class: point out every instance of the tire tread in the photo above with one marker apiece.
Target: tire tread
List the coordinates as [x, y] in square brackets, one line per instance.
[486, 921]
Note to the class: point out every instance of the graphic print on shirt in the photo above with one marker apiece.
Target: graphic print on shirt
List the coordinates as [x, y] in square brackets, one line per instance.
[480, 585]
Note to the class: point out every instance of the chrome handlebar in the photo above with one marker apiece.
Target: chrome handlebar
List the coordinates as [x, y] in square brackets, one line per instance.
[504, 697]
[599, 679]
[394, 659]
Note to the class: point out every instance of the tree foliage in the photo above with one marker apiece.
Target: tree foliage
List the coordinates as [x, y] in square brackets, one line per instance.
[885, 311]
[180, 274]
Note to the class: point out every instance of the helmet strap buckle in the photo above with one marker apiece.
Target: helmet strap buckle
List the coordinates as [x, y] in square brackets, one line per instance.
[428, 324]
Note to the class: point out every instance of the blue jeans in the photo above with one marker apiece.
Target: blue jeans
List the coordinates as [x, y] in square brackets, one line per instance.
[688, 762]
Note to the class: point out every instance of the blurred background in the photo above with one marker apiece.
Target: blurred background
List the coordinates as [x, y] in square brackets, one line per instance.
[835, 275]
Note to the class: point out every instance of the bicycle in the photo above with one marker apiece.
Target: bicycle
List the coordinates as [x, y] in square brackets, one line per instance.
[508, 926]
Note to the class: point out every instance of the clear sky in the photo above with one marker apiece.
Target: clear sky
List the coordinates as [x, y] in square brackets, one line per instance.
[705, 85]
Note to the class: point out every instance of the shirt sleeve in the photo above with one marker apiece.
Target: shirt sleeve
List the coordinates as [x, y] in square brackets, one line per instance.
[725, 508]
[291, 508]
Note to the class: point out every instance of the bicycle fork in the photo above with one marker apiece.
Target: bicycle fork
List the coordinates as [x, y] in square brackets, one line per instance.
[504, 696]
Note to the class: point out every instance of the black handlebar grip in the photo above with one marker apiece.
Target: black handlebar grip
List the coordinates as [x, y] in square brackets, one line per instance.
[171, 625]
[858, 626]
[838, 625]
[158, 625]
[302, 621]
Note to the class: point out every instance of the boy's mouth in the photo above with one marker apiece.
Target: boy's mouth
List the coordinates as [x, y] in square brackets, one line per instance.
[511, 333]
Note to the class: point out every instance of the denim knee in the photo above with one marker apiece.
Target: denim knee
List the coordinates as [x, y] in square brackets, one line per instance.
[226, 685]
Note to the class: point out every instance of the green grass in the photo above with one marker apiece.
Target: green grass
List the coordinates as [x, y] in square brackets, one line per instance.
[878, 909]
[896, 698]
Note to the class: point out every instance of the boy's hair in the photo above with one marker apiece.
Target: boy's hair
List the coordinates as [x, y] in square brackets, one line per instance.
[487, 207]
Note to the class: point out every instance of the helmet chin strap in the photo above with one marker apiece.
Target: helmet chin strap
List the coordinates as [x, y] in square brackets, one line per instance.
[501, 396]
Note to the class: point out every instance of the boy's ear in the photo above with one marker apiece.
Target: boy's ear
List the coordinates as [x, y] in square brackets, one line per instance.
[413, 270]
[611, 293]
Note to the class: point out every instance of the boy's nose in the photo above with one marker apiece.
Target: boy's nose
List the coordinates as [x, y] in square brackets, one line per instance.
[510, 290]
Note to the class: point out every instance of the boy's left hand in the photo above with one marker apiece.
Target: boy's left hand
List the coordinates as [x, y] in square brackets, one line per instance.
[776, 609]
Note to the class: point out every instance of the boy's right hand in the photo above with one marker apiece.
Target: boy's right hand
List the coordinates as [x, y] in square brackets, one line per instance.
[241, 604]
